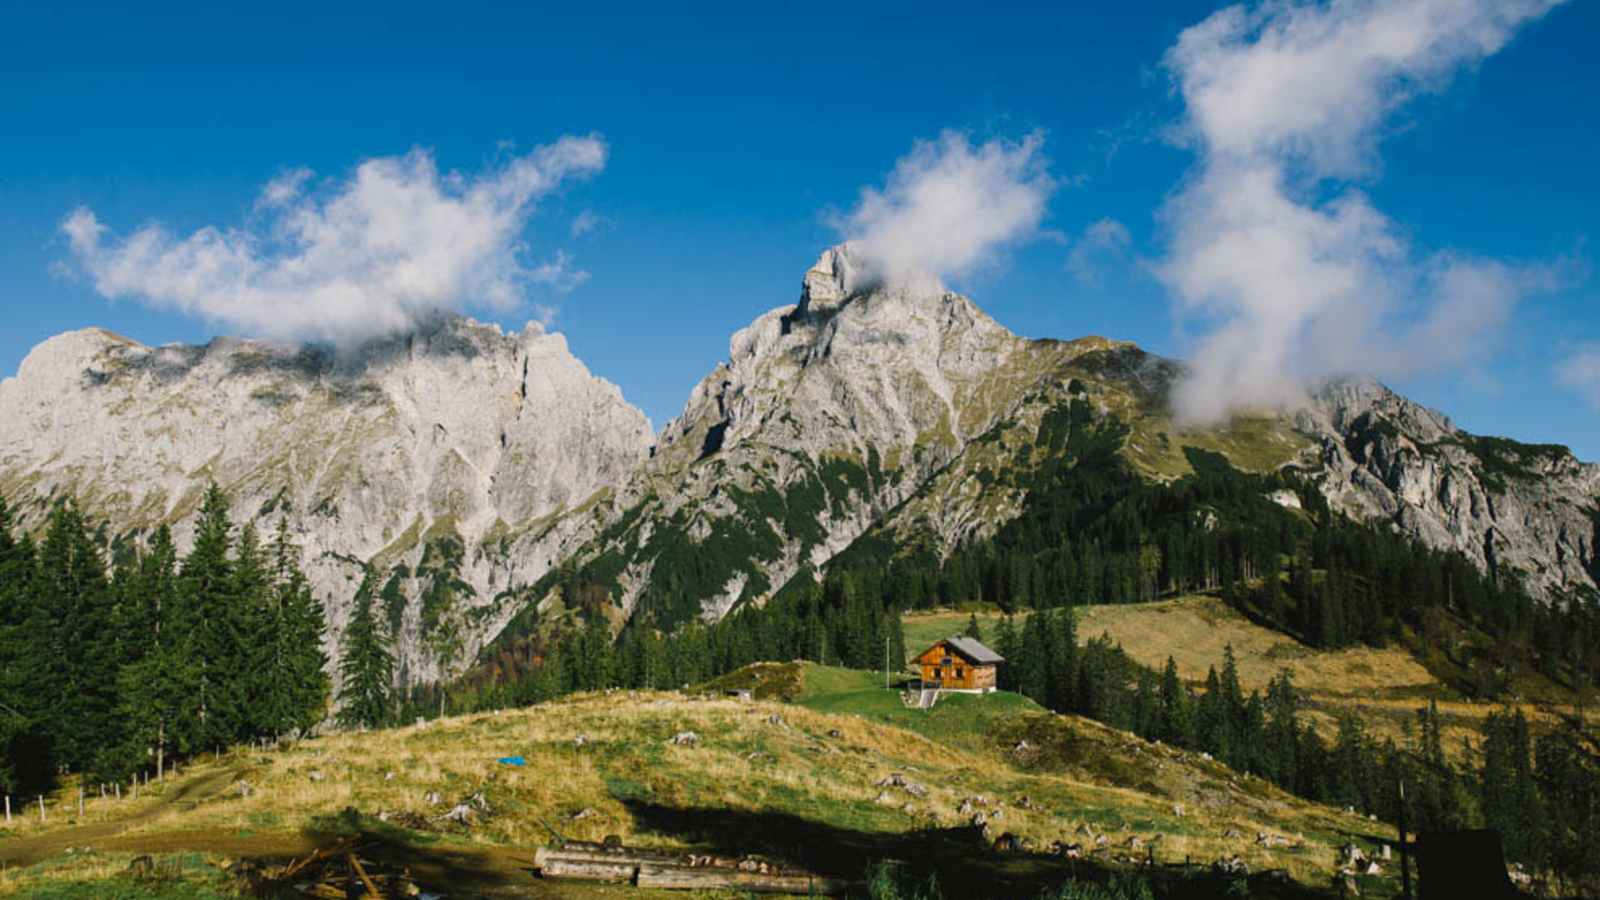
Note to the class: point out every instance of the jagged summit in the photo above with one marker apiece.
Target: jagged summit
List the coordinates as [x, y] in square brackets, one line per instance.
[465, 456]
[441, 441]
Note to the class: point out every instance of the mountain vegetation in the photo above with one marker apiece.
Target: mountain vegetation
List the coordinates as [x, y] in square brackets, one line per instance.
[117, 659]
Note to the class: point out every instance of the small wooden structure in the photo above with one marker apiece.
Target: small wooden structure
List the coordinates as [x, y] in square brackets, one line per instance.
[959, 664]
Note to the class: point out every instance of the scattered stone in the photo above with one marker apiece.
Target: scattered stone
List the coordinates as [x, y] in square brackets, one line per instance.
[586, 813]
[997, 815]
[1021, 747]
[979, 820]
[1351, 856]
[835, 733]
[1385, 853]
[1085, 830]
[1232, 834]
[245, 789]
[580, 740]
[1101, 841]
[1177, 810]
[1373, 868]
[142, 866]
[432, 798]
[885, 799]
[775, 719]
[1135, 843]
[317, 775]
[1206, 757]
[685, 739]
[1024, 802]
[1070, 851]
[1230, 865]
[388, 776]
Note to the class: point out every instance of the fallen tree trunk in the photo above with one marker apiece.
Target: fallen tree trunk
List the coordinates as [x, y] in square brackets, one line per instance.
[685, 878]
[588, 870]
[655, 869]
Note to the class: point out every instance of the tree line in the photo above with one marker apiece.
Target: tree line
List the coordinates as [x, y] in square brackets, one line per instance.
[1541, 793]
[118, 656]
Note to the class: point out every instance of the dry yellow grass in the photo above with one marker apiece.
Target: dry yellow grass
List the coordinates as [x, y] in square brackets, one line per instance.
[1384, 687]
[627, 779]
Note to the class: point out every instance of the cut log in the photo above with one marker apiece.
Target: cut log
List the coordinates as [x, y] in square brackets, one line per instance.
[683, 878]
[588, 870]
[583, 851]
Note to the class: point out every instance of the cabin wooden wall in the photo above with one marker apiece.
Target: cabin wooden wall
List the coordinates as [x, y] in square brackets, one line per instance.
[958, 674]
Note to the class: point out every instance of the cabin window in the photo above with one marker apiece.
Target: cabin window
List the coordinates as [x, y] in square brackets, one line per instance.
[960, 673]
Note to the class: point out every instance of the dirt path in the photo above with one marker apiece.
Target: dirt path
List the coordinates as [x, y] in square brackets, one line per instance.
[455, 872]
[26, 851]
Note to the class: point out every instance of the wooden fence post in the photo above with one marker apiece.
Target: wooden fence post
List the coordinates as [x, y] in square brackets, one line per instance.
[41, 807]
[8, 809]
[119, 790]
[80, 801]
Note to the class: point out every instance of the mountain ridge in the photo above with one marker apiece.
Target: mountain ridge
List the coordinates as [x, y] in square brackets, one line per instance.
[490, 480]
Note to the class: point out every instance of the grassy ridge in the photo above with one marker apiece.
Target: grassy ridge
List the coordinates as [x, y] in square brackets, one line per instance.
[792, 780]
[1382, 686]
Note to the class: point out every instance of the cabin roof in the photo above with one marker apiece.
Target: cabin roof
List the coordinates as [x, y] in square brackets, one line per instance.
[973, 651]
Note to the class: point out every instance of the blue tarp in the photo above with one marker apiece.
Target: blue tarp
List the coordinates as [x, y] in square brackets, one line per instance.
[511, 760]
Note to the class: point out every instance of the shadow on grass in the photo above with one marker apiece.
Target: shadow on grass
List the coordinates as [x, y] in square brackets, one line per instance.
[449, 870]
[958, 859]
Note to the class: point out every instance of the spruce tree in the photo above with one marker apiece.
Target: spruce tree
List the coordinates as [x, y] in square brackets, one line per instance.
[157, 680]
[71, 682]
[217, 635]
[366, 667]
[299, 666]
[16, 574]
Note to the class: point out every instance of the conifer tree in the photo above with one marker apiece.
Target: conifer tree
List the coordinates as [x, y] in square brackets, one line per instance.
[16, 573]
[973, 631]
[366, 667]
[72, 676]
[217, 636]
[156, 682]
[299, 665]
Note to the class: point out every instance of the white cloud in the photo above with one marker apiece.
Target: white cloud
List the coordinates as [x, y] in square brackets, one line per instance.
[948, 207]
[1105, 242]
[586, 222]
[1293, 271]
[394, 244]
[1580, 371]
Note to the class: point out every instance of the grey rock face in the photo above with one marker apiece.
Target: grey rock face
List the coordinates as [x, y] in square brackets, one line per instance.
[1509, 506]
[456, 450]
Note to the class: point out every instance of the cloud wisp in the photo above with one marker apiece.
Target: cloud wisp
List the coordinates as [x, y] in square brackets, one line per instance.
[947, 207]
[1104, 243]
[1290, 270]
[391, 246]
[1580, 372]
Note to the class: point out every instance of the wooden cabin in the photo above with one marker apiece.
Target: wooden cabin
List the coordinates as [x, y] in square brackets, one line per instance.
[959, 664]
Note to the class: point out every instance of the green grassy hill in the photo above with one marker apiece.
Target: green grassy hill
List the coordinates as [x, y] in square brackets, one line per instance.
[792, 775]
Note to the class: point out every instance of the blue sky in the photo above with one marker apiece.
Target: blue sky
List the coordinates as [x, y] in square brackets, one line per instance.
[734, 135]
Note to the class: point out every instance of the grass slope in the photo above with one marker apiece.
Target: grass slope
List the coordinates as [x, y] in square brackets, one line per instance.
[1382, 686]
[793, 780]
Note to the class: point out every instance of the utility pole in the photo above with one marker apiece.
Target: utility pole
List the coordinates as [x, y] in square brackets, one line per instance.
[1405, 855]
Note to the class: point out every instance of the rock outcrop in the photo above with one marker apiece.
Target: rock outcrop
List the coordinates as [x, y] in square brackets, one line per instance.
[453, 453]
[1507, 506]
[472, 465]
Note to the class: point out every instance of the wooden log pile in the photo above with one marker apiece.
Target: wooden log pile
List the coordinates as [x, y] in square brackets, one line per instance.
[614, 863]
[332, 873]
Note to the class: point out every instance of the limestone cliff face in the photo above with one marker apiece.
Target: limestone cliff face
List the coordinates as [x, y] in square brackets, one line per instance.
[1506, 505]
[466, 466]
[450, 455]
[827, 414]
